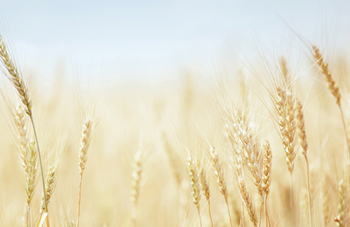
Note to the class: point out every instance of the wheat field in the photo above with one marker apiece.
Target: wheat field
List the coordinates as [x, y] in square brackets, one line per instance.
[264, 145]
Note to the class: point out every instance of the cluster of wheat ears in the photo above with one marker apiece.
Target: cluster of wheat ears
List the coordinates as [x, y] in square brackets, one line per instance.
[231, 146]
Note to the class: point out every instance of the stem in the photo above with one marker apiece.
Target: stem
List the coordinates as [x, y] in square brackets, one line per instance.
[308, 188]
[211, 219]
[344, 125]
[29, 218]
[242, 222]
[266, 216]
[229, 213]
[291, 194]
[79, 198]
[261, 208]
[133, 220]
[199, 215]
[47, 220]
[41, 167]
[133, 214]
[346, 137]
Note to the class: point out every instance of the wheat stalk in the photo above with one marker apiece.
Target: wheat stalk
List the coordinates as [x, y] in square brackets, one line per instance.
[288, 134]
[334, 89]
[327, 73]
[135, 182]
[205, 188]
[245, 194]
[219, 174]
[86, 137]
[304, 146]
[195, 183]
[17, 81]
[326, 199]
[15, 77]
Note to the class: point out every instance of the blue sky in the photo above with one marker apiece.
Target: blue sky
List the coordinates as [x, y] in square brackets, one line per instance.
[153, 40]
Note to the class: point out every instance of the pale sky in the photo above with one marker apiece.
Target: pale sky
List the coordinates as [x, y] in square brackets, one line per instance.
[153, 40]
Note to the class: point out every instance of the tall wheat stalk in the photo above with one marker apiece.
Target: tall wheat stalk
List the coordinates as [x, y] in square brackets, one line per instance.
[304, 147]
[14, 75]
[86, 137]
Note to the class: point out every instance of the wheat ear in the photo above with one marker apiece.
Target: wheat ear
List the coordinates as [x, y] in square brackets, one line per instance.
[17, 81]
[15, 77]
[205, 188]
[284, 105]
[245, 194]
[249, 149]
[86, 136]
[284, 71]
[20, 123]
[31, 172]
[136, 183]
[304, 146]
[195, 184]
[334, 89]
[220, 180]
[342, 205]
[50, 185]
[267, 162]
[288, 134]
[325, 71]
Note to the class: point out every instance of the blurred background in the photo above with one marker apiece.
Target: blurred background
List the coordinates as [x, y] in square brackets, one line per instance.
[153, 41]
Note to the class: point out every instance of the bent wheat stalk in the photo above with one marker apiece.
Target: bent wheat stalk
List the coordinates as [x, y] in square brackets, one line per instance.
[215, 161]
[334, 89]
[17, 81]
[246, 199]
